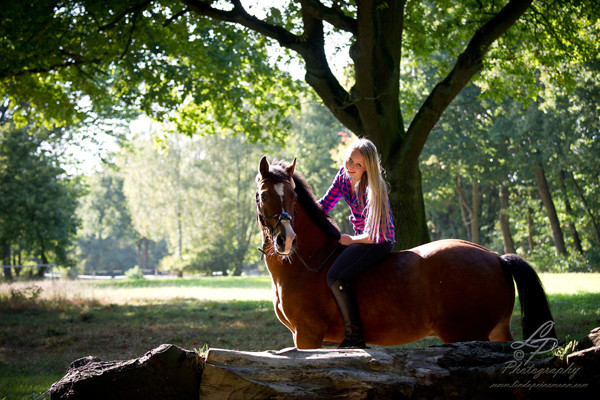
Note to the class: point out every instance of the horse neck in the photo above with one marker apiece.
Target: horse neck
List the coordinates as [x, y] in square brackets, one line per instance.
[313, 244]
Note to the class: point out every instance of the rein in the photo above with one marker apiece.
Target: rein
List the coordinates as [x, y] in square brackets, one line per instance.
[308, 267]
[320, 267]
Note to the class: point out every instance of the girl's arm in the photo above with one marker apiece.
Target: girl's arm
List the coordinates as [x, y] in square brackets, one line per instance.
[334, 193]
[347, 240]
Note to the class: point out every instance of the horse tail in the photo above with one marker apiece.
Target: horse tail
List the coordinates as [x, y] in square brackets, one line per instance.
[537, 319]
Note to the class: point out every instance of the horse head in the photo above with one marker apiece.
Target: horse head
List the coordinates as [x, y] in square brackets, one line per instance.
[275, 199]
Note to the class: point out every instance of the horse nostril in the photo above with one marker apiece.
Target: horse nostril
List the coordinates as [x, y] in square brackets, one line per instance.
[294, 242]
[280, 241]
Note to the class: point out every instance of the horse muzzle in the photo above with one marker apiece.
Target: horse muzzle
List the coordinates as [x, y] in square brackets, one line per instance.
[285, 238]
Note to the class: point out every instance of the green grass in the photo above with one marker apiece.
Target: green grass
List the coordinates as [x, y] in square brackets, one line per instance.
[42, 331]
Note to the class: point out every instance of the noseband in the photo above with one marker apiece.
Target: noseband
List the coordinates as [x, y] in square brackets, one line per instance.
[282, 216]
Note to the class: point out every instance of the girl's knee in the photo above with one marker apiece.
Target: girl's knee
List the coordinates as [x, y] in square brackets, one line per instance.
[331, 278]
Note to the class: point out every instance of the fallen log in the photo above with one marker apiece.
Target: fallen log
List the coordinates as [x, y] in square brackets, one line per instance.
[476, 370]
[167, 372]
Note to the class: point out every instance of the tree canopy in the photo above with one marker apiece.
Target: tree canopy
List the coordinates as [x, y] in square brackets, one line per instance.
[205, 63]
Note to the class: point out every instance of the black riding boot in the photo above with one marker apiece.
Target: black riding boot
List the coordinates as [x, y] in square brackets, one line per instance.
[346, 302]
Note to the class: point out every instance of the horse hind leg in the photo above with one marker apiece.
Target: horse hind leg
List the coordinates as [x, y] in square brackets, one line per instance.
[501, 332]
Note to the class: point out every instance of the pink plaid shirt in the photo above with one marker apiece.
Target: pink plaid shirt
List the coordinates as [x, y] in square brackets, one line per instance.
[342, 187]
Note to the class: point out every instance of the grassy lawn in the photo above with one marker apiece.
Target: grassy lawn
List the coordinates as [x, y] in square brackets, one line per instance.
[46, 325]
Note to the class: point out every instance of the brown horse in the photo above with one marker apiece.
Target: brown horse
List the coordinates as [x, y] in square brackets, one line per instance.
[456, 290]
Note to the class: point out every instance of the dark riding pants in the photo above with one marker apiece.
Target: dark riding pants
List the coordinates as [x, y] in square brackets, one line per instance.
[355, 259]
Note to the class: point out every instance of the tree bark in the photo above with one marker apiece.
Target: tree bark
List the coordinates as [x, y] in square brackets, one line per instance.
[473, 370]
[509, 244]
[408, 207]
[546, 196]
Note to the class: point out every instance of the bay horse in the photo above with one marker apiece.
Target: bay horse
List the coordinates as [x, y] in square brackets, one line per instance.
[456, 290]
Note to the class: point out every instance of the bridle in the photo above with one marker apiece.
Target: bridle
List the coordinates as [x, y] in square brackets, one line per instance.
[283, 216]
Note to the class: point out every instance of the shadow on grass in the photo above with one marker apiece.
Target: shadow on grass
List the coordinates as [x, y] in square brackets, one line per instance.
[39, 340]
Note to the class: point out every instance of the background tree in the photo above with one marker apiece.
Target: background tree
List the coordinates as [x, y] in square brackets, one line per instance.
[106, 239]
[37, 200]
[212, 227]
[504, 146]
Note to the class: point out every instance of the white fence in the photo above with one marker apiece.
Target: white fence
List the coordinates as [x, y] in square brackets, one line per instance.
[53, 272]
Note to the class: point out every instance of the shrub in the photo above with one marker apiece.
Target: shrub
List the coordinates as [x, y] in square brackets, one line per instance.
[134, 273]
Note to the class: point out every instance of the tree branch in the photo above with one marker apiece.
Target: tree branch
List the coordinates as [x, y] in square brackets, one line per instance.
[309, 46]
[239, 16]
[136, 8]
[320, 77]
[334, 16]
[176, 16]
[68, 60]
[469, 63]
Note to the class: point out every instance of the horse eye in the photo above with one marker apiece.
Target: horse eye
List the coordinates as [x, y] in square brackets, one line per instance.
[264, 197]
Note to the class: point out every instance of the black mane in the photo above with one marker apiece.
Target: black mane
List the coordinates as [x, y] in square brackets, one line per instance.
[306, 198]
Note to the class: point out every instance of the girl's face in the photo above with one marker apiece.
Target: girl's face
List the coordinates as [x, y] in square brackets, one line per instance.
[355, 165]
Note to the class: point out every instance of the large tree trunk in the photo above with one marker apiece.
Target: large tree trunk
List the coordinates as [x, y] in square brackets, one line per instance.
[569, 212]
[509, 244]
[471, 370]
[42, 269]
[408, 208]
[470, 213]
[466, 212]
[142, 252]
[546, 196]
[476, 201]
[146, 247]
[530, 227]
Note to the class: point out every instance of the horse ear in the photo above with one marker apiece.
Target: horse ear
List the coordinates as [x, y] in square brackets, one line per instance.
[263, 167]
[290, 172]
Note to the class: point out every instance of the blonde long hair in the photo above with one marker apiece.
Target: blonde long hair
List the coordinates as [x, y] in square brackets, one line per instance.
[372, 183]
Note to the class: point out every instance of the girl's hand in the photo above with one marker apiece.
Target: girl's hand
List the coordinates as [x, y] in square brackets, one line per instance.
[346, 240]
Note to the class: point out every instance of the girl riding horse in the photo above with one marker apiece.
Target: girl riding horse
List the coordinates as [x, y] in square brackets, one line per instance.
[361, 185]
